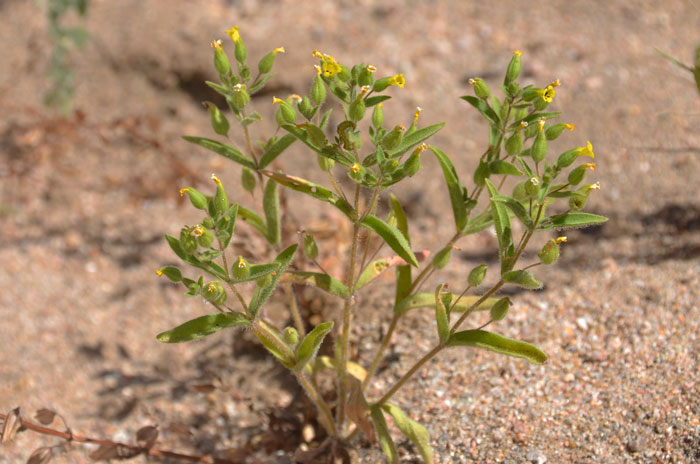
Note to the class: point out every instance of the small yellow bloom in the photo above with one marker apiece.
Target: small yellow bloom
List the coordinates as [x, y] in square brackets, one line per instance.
[159, 272]
[198, 231]
[541, 122]
[182, 191]
[569, 126]
[355, 168]
[233, 33]
[238, 87]
[216, 44]
[371, 68]
[212, 287]
[398, 79]
[518, 52]
[590, 166]
[587, 150]
[363, 90]
[296, 97]
[561, 239]
[595, 186]
[330, 67]
[548, 94]
[419, 110]
[276, 100]
[472, 81]
[556, 83]
[241, 262]
[522, 125]
[317, 54]
[318, 69]
[534, 180]
[278, 50]
[215, 179]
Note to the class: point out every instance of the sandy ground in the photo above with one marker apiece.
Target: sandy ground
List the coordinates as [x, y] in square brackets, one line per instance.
[85, 200]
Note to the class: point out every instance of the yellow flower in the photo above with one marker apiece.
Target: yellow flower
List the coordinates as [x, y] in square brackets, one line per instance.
[363, 91]
[233, 33]
[278, 50]
[197, 231]
[330, 67]
[419, 110]
[398, 79]
[541, 122]
[569, 126]
[159, 272]
[548, 94]
[212, 287]
[561, 239]
[318, 69]
[241, 262]
[595, 186]
[590, 166]
[297, 98]
[586, 151]
[371, 68]
[215, 179]
[518, 52]
[182, 191]
[216, 44]
[355, 168]
[276, 100]
[556, 83]
[534, 180]
[317, 54]
[238, 87]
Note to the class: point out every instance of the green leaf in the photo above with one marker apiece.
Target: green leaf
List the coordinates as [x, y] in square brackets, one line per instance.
[307, 349]
[252, 218]
[230, 224]
[427, 300]
[454, 187]
[412, 430]
[271, 206]
[403, 271]
[371, 272]
[260, 84]
[371, 101]
[276, 149]
[257, 271]
[175, 246]
[441, 316]
[522, 278]
[517, 208]
[203, 326]
[501, 221]
[392, 236]
[224, 150]
[504, 167]
[535, 117]
[274, 341]
[309, 188]
[482, 107]
[494, 342]
[414, 138]
[572, 220]
[320, 280]
[283, 260]
[383, 434]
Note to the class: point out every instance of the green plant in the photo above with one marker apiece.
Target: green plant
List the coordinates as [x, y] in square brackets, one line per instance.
[65, 39]
[517, 149]
[694, 70]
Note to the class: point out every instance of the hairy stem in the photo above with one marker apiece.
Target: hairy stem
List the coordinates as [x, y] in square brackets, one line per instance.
[326, 416]
[380, 352]
[296, 315]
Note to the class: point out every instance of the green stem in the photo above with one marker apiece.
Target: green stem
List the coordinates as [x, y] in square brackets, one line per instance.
[326, 416]
[427, 357]
[296, 315]
[380, 353]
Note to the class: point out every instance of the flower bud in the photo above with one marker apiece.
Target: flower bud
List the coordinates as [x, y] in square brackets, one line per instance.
[291, 336]
[476, 275]
[366, 76]
[240, 97]
[442, 257]
[531, 93]
[539, 146]
[198, 200]
[318, 90]
[357, 172]
[240, 53]
[208, 223]
[187, 241]
[218, 121]
[378, 115]
[392, 139]
[513, 70]
[221, 62]
[305, 108]
[214, 292]
[514, 144]
[578, 200]
[344, 74]
[265, 280]
[550, 251]
[310, 247]
[481, 90]
[553, 132]
[500, 309]
[579, 172]
[412, 164]
[204, 237]
[532, 186]
[357, 109]
[171, 273]
[220, 199]
[382, 84]
[240, 269]
[266, 62]
[325, 164]
[286, 113]
[248, 179]
[519, 192]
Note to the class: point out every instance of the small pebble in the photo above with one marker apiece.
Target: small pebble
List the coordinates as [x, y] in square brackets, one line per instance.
[536, 457]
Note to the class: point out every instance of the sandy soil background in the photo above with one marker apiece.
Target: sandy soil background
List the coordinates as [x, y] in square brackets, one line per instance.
[85, 200]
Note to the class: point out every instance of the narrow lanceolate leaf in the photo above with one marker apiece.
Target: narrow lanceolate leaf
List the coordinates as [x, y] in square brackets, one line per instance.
[572, 220]
[482, 107]
[501, 222]
[414, 138]
[254, 219]
[309, 188]
[276, 149]
[516, 208]
[323, 281]
[271, 206]
[427, 300]
[307, 349]
[261, 296]
[224, 150]
[414, 431]
[229, 224]
[403, 271]
[392, 236]
[175, 246]
[371, 101]
[203, 326]
[504, 167]
[454, 187]
[383, 434]
[441, 316]
[274, 341]
[494, 342]
[522, 278]
[210, 267]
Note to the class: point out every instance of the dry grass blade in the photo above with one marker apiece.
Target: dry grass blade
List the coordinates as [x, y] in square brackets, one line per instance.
[45, 416]
[12, 424]
[358, 410]
[41, 455]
